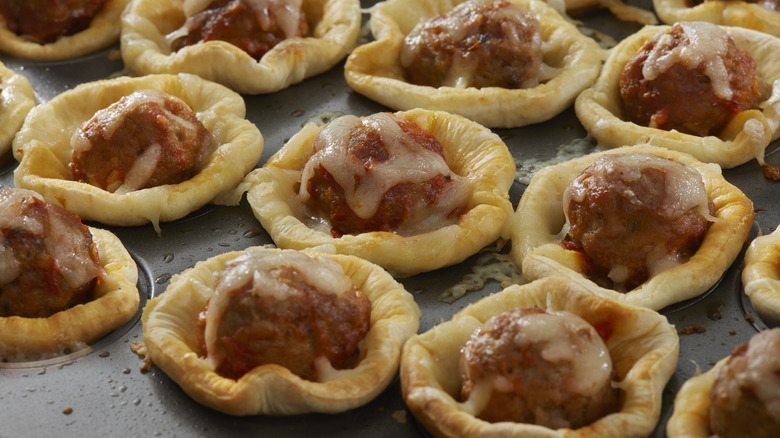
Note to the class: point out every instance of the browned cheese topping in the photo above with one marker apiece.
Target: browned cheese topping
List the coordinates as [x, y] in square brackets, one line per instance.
[283, 308]
[634, 216]
[146, 139]
[45, 21]
[547, 368]
[48, 261]
[479, 43]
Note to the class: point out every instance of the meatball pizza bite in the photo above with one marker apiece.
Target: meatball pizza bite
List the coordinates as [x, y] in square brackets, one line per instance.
[130, 151]
[547, 358]
[760, 15]
[501, 63]
[643, 225]
[761, 275]
[735, 398]
[48, 30]
[62, 284]
[710, 91]
[251, 46]
[410, 191]
[17, 98]
[281, 332]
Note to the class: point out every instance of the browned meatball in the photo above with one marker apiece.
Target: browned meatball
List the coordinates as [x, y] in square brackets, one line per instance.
[479, 43]
[146, 139]
[45, 21]
[634, 215]
[745, 396]
[386, 170]
[284, 319]
[692, 78]
[546, 368]
[239, 23]
[48, 261]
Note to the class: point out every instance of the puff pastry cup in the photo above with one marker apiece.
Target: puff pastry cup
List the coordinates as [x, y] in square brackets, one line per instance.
[44, 150]
[600, 109]
[115, 301]
[17, 98]
[169, 334]
[761, 275]
[726, 13]
[374, 69]
[691, 415]
[643, 347]
[334, 25]
[540, 217]
[470, 150]
[620, 9]
[103, 31]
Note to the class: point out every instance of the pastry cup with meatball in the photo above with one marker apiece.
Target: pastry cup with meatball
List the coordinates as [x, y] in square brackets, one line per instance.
[45, 150]
[539, 228]
[101, 32]
[471, 152]
[333, 30]
[642, 347]
[761, 275]
[737, 13]
[746, 134]
[570, 62]
[271, 389]
[18, 98]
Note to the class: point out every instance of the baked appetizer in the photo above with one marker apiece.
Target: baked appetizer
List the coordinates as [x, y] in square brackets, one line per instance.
[280, 332]
[547, 358]
[736, 398]
[760, 15]
[695, 87]
[251, 46]
[184, 142]
[761, 275]
[618, 8]
[500, 63]
[62, 284]
[54, 30]
[645, 225]
[410, 191]
[17, 98]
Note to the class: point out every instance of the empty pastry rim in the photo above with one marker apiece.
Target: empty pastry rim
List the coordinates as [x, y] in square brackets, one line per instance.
[18, 98]
[726, 13]
[761, 275]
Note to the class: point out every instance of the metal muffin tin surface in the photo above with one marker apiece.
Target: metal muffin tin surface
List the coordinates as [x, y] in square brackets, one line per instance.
[102, 391]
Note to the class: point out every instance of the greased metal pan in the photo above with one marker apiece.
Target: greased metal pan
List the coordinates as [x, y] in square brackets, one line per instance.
[103, 391]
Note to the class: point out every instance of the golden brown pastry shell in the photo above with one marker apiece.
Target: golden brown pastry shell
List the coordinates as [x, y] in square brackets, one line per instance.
[726, 13]
[169, 334]
[643, 347]
[471, 151]
[115, 300]
[17, 98]
[43, 148]
[761, 275]
[374, 69]
[691, 415]
[600, 108]
[334, 26]
[540, 217]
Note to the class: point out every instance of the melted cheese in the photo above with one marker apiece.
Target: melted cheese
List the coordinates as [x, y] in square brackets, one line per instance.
[704, 44]
[260, 268]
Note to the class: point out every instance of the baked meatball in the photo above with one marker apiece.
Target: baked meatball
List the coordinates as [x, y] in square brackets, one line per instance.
[381, 173]
[146, 139]
[635, 215]
[691, 78]
[255, 27]
[283, 308]
[48, 261]
[479, 43]
[45, 21]
[546, 368]
[745, 396]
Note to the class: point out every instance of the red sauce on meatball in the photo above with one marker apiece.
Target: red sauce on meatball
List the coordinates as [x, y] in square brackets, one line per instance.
[45, 21]
[48, 260]
[479, 43]
[254, 27]
[699, 80]
[146, 139]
